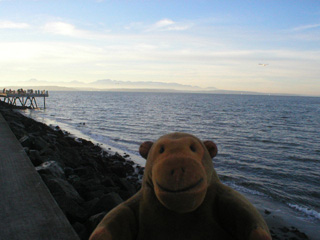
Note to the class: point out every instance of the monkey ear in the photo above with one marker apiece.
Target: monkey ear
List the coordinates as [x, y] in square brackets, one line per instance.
[211, 147]
[145, 148]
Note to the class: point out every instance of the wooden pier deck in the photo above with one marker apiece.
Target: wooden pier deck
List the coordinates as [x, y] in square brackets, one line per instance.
[27, 209]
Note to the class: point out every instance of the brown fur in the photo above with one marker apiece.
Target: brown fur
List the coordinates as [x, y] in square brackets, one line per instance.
[182, 198]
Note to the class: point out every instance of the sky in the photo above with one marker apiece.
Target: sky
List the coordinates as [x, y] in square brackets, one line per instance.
[258, 45]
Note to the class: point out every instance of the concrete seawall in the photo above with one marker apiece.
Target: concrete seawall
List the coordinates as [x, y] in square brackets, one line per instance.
[27, 209]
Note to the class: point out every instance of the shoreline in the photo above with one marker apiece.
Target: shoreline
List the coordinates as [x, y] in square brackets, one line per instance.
[76, 133]
[77, 172]
[85, 180]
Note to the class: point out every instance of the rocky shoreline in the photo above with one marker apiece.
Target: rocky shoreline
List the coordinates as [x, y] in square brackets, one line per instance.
[85, 180]
[88, 181]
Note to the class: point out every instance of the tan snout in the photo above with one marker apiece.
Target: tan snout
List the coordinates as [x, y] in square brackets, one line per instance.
[180, 184]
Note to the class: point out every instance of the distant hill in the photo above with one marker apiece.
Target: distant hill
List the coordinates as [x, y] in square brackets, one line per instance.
[125, 86]
[108, 84]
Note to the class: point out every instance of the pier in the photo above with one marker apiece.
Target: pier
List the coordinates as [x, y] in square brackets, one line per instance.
[26, 98]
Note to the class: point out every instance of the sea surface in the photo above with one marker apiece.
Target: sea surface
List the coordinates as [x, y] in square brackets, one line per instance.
[269, 146]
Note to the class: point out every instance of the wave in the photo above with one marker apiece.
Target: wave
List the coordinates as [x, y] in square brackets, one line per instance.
[63, 119]
[303, 159]
[245, 190]
[305, 210]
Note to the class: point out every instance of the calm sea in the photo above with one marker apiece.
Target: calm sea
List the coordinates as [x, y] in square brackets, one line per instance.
[269, 146]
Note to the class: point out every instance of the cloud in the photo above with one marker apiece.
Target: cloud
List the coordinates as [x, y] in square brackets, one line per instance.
[161, 25]
[306, 33]
[13, 25]
[306, 27]
[151, 51]
[62, 28]
[69, 30]
[137, 61]
[164, 23]
[169, 25]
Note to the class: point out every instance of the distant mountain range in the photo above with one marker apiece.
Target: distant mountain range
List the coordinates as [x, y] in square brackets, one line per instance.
[108, 84]
[114, 85]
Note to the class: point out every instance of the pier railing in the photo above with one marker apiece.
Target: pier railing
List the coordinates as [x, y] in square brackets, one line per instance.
[24, 98]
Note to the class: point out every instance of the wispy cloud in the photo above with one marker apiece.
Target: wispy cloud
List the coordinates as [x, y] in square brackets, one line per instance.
[13, 25]
[306, 27]
[164, 23]
[69, 30]
[169, 25]
[62, 28]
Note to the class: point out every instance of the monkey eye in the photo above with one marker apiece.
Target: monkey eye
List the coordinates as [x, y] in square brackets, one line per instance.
[161, 149]
[193, 148]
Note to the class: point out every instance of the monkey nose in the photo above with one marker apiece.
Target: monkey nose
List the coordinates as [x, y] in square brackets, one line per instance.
[177, 173]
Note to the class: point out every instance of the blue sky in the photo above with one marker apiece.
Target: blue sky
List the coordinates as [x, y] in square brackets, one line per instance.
[205, 43]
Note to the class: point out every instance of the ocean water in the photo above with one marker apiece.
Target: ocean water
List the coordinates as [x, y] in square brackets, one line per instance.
[269, 146]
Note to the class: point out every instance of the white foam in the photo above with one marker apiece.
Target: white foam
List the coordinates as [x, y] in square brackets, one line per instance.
[244, 189]
[309, 212]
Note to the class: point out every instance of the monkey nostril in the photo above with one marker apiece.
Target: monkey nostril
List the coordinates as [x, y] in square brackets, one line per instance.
[177, 172]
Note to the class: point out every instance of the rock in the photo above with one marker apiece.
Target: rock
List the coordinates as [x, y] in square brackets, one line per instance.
[94, 194]
[68, 171]
[93, 185]
[301, 235]
[90, 189]
[89, 205]
[55, 157]
[40, 144]
[72, 158]
[17, 124]
[94, 220]
[68, 199]
[50, 135]
[84, 172]
[52, 168]
[267, 212]
[128, 168]
[118, 157]
[107, 182]
[284, 229]
[127, 186]
[119, 170]
[56, 128]
[63, 188]
[26, 141]
[106, 203]
[18, 131]
[81, 230]
[47, 151]
[35, 157]
[74, 179]
[87, 143]
[140, 170]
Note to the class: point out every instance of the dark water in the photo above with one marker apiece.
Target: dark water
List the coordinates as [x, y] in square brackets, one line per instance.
[269, 146]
